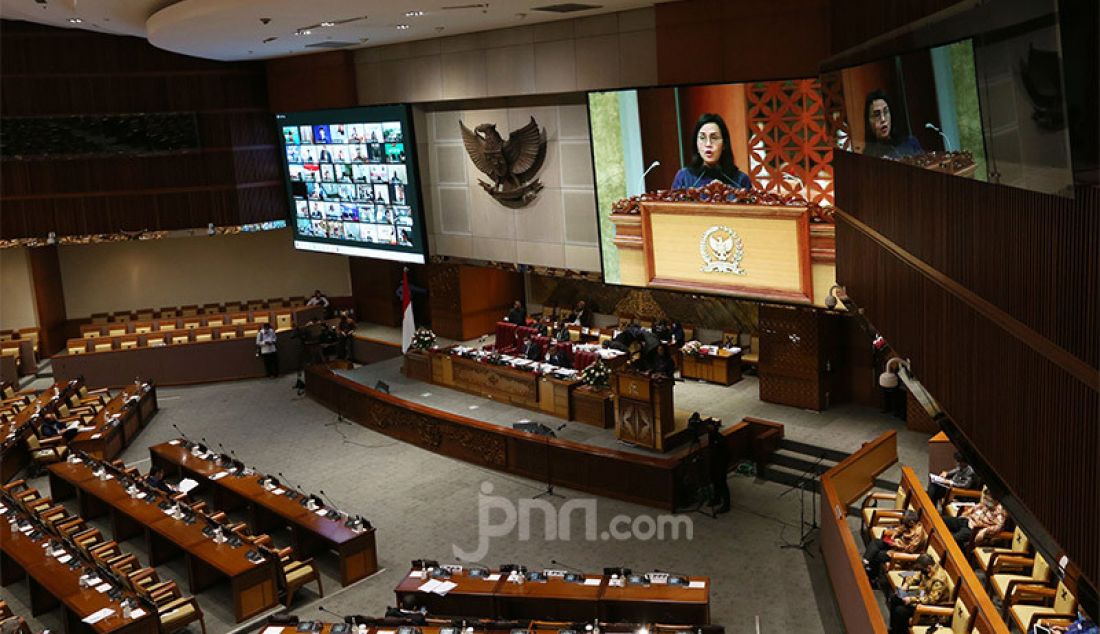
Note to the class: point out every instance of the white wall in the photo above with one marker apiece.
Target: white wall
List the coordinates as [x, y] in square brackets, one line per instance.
[171, 272]
[614, 50]
[16, 290]
[558, 229]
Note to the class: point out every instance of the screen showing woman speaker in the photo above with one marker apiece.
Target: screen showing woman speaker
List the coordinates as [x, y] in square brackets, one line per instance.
[351, 179]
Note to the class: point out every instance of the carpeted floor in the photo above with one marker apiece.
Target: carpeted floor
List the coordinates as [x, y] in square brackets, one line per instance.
[425, 505]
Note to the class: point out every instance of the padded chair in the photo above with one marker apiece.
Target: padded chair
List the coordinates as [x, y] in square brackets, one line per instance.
[117, 330]
[1056, 604]
[191, 323]
[155, 340]
[574, 334]
[217, 320]
[177, 611]
[146, 582]
[872, 514]
[46, 451]
[166, 325]
[297, 301]
[204, 334]
[261, 317]
[168, 313]
[238, 318]
[250, 330]
[584, 358]
[91, 331]
[505, 337]
[87, 540]
[143, 327]
[293, 574]
[103, 344]
[751, 355]
[100, 318]
[959, 618]
[256, 304]
[1020, 546]
[76, 346]
[1031, 571]
[180, 337]
[128, 342]
[234, 307]
[276, 303]
[284, 320]
[211, 309]
[227, 332]
[146, 314]
[190, 310]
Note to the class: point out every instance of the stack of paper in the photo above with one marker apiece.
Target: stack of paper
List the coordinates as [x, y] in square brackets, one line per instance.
[437, 587]
[97, 616]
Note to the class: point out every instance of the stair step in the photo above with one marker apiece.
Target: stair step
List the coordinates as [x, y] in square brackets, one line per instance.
[785, 475]
[800, 462]
[812, 450]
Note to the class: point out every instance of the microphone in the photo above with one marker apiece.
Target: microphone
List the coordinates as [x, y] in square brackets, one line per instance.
[567, 566]
[176, 427]
[560, 427]
[287, 480]
[641, 181]
[334, 505]
[946, 142]
[345, 619]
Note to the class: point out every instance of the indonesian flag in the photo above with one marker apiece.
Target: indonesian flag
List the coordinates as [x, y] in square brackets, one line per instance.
[408, 326]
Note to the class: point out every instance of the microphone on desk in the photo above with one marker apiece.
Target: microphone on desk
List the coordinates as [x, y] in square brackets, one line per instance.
[566, 566]
[345, 619]
[652, 166]
[334, 505]
[292, 485]
[176, 427]
[946, 141]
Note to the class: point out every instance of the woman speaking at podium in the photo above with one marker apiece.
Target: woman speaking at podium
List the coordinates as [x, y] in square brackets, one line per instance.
[713, 160]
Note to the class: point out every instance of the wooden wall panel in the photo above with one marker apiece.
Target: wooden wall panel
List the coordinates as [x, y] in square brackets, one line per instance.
[49, 297]
[702, 41]
[233, 177]
[1032, 255]
[310, 82]
[1030, 419]
[853, 22]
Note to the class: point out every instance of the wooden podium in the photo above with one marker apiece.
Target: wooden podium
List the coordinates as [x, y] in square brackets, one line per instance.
[643, 409]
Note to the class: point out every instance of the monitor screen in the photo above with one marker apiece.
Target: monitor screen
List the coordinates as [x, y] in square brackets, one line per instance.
[352, 182]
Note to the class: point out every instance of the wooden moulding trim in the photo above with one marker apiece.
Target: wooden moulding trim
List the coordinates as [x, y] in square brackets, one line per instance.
[966, 572]
[737, 211]
[755, 292]
[823, 243]
[226, 187]
[1054, 353]
[379, 342]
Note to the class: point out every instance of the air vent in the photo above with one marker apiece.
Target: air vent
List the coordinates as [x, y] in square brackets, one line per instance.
[567, 7]
[331, 44]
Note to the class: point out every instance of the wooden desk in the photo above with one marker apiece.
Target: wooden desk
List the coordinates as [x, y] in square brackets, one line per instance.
[475, 597]
[498, 382]
[556, 599]
[723, 368]
[13, 450]
[107, 439]
[357, 551]
[554, 396]
[657, 603]
[253, 584]
[53, 583]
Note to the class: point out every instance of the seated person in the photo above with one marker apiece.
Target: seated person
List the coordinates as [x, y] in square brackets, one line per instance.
[517, 315]
[561, 333]
[156, 479]
[409, 610]
[1083, 625]
[531, 350]
[908, 537]
[318, 299]
[677, 330]
[961, 477]
[662, 363]
[51, 428]
[928, 587]
[580, 316]
[561, 358]
[979, 523]
[662, 331]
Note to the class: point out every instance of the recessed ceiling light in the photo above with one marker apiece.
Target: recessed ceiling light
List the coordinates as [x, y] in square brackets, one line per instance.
[413, 14]
[402, 27]
[303, 32]
[328, 24]
[75, 20]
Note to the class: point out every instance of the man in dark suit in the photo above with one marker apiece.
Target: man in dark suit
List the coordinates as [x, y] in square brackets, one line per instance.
[517, 315]
[326, 156]
[561, 358]
[531, 350]
[581, 315]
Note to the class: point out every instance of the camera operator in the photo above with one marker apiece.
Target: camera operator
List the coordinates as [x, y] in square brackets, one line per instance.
[347, 336]
[719, 459]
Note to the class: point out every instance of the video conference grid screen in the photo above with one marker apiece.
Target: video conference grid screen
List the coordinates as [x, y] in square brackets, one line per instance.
[351, 179]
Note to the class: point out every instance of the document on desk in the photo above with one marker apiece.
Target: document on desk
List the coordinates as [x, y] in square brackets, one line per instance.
[493, 577]
[416, 574]
[697, 585]
[137, 614]
[97, 616]
[593, 581]
[103, 588]
[428, 585]
[219, 475]
[272, 630]
[444, 587]
[186, 485]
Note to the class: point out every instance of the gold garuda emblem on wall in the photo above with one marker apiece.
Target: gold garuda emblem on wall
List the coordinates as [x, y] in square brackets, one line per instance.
[512, 164]
[722, 250]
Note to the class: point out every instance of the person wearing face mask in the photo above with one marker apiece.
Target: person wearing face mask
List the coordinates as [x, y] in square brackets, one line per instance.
[713, 159]
[882, 138]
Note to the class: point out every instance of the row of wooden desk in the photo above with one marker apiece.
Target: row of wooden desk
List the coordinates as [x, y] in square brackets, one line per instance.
[253, 583]
[310, 532]
[53, 583]
[557, 599]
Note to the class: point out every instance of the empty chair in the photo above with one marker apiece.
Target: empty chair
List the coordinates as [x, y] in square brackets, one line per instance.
[1057, 603]
[276, 303]
[180, 337]
[118, 329]
[234, 307]
[103, 344]
[961, 618]
[291, 573]
[145, 313]
[143, 327]
[204, 334]
[166, 325]
[191, 323]
[216, 320]
[255, 304]
[100, 318]
[168, 313]
[872, 514]
[76, 346]
[227, 332]
[211, 309]
[120, 317]
[238, 318]
[128, 342]
[190, 310]
[297, 300]
[91, 331]
[986, 555]
[1029, 571]
[155, 339]
[250, 330]
[284, 320]
[46, 451]
[261, 317]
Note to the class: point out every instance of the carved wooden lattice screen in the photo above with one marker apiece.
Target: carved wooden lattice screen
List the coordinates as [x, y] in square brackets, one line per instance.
[790, 150]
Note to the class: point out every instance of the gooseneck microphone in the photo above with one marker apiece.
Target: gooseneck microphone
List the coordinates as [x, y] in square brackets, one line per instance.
[946, 141]
[566, 566]
[641, 180]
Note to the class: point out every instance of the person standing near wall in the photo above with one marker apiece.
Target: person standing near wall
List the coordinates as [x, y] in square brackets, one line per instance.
[265, 346]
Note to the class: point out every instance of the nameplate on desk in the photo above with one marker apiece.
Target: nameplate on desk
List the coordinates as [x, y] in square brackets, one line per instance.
[97, 616]
[697, 585]
[219, 475]
[493, 577]
[173, 442]
[595, 581]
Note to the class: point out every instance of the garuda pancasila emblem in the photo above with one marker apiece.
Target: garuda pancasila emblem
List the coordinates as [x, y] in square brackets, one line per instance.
[512, 164]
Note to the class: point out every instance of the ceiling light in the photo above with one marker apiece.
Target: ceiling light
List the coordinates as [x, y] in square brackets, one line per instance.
[328, 24]
[402, 27]
[75, 20]
[413, 14]
[303, 32]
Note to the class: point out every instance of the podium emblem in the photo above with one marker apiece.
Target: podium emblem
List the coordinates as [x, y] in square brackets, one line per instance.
[722, 250]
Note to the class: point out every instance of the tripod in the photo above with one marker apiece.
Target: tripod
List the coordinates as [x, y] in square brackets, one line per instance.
[547, 433]
[696, 480]
[805, 529]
